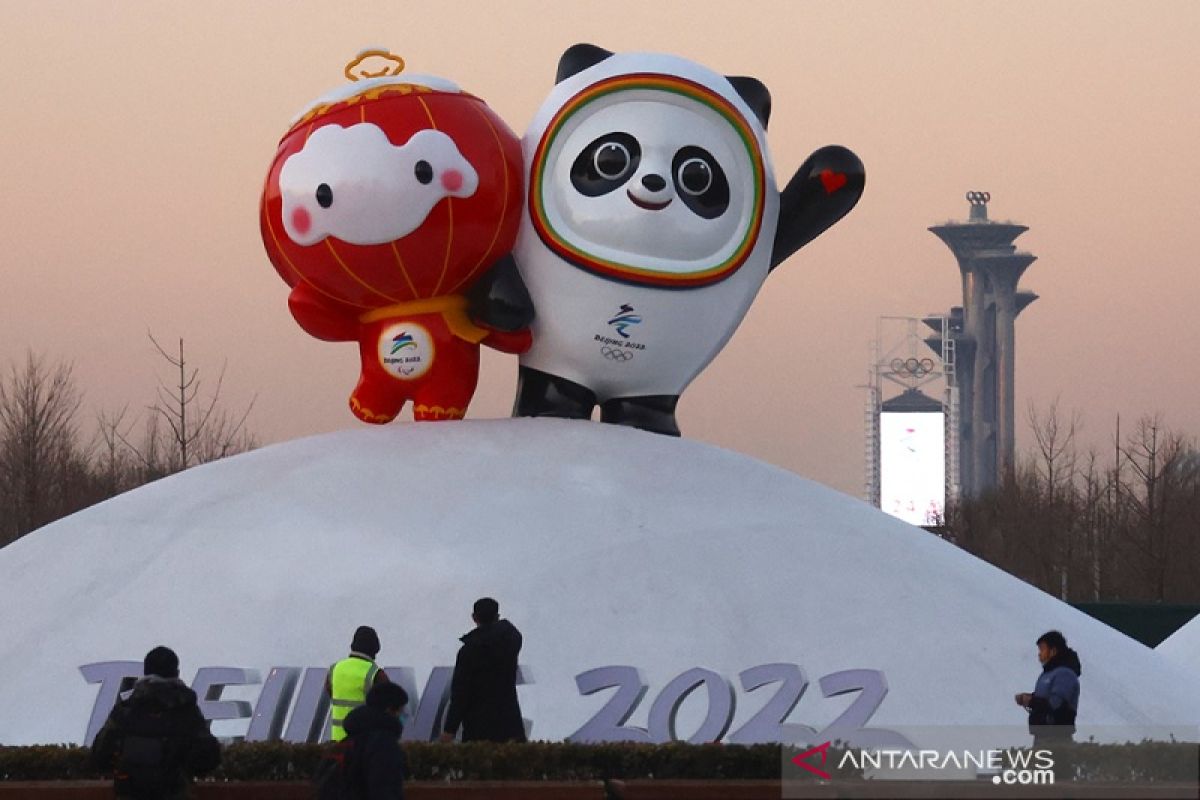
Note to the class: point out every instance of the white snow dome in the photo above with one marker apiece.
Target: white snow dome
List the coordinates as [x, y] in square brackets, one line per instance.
[1182, 648]
[754, 603]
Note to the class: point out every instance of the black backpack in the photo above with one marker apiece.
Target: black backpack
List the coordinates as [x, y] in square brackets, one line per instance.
[333, 778]
[145, 766]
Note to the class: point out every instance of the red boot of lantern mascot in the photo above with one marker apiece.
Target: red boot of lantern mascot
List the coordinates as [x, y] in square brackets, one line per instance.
[391, 209]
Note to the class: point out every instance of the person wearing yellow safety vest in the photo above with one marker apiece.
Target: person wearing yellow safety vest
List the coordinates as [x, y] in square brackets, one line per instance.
[350, 679]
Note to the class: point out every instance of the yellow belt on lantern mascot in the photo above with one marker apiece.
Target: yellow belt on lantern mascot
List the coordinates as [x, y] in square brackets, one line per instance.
[452, 307]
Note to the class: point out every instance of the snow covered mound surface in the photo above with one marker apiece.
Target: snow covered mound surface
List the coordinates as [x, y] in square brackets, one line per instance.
[1182, 648]
[605, 546]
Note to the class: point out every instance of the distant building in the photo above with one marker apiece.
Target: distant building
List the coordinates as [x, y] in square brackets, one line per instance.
[984, 343]
[907, 433]
[922, 452]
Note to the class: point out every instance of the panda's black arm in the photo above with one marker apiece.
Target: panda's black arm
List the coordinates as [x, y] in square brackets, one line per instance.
[821, 192]
[499, 299]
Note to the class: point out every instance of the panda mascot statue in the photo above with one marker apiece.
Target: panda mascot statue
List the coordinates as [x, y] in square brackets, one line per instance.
[652, 218]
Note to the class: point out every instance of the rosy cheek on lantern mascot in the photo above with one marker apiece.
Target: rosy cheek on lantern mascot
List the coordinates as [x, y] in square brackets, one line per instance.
[390, 209]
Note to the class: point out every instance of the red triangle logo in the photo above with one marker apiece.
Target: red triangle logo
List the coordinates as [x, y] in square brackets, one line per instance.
[799, 760]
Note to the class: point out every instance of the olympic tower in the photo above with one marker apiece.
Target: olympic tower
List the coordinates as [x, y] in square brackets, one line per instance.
[985, 342]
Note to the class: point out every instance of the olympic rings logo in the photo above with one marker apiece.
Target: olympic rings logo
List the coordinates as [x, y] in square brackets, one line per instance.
[917, 368]
[979, 198]
[616, 353]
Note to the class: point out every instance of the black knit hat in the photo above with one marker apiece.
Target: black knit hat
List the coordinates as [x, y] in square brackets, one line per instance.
[366, 641]
[161, 661]
[387, 695]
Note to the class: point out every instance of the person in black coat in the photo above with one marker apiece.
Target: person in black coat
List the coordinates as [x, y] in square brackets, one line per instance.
[377, 764]
[156, 739]
[483, 692]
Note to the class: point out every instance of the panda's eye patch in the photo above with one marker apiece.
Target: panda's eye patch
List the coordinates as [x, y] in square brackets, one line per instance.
[324, 195]
[700, 182]
[605, 164]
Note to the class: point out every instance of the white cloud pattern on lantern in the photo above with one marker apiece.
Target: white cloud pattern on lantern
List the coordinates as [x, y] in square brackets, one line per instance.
[353, 184]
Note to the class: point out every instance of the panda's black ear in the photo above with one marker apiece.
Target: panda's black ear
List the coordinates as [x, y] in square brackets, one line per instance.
[579, 57]
[755, 94]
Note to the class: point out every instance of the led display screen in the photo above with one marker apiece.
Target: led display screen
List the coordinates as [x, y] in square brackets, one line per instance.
[912, 466]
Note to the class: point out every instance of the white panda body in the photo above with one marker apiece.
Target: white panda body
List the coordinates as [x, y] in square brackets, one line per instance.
[678, 333]
[648, 226]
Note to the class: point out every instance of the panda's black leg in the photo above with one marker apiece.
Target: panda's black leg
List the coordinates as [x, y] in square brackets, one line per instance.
[540, 394]
[654, 413]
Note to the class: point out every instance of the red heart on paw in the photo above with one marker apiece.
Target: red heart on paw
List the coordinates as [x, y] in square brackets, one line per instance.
[832, 181]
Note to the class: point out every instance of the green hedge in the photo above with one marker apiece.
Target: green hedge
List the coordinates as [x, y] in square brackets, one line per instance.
[1141, 763]
[45, 762]
[278, 761]
[558, 761]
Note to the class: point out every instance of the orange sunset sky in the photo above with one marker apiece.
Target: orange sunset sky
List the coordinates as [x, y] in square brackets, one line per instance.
[137, 135]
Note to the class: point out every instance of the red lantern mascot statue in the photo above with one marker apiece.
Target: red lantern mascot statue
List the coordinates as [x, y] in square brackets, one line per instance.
[390, 210]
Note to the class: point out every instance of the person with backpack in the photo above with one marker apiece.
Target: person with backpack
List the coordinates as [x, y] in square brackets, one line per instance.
[155, 739]
[368, 763]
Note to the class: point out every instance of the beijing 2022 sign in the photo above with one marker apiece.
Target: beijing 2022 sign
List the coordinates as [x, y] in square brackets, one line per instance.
[778, 686]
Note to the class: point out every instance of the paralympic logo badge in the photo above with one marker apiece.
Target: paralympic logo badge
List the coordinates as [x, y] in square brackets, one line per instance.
[624, 320]
[401, 341]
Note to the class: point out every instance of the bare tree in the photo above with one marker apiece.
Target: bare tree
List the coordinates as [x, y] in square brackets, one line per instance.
[1155, 497]
[1129, 530]
[1055, 471]
[1055, 457]
[1096, 523]
[41, 461]
[47, 471]
[116, 465]
[185, 428]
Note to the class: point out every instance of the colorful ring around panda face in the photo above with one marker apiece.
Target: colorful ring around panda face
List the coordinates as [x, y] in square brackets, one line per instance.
[737, 234]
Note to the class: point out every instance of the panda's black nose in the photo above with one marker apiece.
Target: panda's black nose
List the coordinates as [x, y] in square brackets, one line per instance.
[654, 183]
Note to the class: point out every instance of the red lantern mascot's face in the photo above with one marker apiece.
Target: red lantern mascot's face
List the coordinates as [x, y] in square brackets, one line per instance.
[387, 203]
